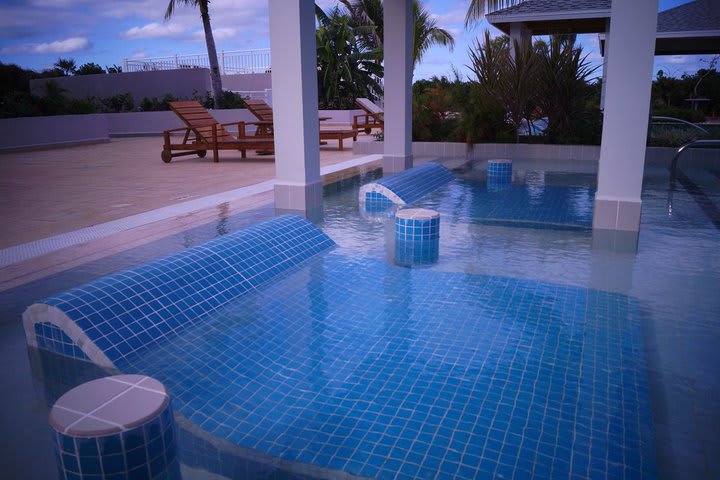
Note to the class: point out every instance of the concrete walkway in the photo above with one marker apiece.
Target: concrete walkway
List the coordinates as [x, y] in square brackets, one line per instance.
[56, 203]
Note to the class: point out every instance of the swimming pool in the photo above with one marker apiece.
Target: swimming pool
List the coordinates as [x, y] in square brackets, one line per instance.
[502, 357]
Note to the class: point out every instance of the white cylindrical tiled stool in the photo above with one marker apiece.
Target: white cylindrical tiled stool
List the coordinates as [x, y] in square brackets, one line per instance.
[417, 236]
[499, 170]
[118, 427]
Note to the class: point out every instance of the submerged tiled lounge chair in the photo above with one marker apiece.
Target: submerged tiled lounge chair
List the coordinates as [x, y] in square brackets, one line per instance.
[264, 113]
[372, 118]
[208, 134]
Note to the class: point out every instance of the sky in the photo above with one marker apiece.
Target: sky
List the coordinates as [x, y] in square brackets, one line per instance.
[36, 33]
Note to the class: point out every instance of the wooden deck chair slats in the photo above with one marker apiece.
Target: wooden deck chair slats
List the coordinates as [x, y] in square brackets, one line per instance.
[260, 109]
[372, 118]
[264, 113]
[202, 133]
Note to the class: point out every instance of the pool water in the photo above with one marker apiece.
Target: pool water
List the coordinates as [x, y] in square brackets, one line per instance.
[523, 352]
[441, 374]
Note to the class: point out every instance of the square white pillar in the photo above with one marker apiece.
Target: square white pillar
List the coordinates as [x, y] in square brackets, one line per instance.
[398, 63]
[627, 106]
[298, 184]
[518, 33]
[606, 54]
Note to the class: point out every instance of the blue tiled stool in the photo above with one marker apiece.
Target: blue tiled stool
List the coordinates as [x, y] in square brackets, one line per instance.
[417, 236]
[114, 428]
[499, 171]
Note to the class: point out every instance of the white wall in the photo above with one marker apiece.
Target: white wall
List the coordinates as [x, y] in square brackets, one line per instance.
[182, 83]
[52, 131]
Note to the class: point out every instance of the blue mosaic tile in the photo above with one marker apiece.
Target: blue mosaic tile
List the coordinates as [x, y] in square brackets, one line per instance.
[405, 187]
[115, 443]
[147, 451]
[444, 374]
[127, 312]
[523, 205]
[51, 337]
[499, 171]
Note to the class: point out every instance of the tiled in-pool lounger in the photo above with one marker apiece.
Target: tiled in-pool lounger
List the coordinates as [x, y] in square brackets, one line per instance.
[112, 318]
[405, 187]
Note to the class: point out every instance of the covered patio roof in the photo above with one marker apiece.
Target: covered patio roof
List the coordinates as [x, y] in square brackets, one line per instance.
[692, 28]
[545, 17]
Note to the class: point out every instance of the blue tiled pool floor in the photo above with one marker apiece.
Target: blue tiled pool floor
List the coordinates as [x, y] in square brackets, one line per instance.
[444, 375]
[527, 205]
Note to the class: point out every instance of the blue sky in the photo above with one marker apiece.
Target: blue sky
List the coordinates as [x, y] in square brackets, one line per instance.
[35, 33]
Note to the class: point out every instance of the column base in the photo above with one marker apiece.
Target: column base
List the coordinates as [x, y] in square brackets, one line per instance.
[395, 164]
[613, 214]
[615, 241]
[304, 200]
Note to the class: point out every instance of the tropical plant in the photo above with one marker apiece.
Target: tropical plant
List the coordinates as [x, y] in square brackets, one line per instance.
[345, 70]
[215, 80]
[65, 65]
[367, 14]
[426, 33]
[476, 9]
[509, 80]
[563, 81]
[546, 79]
[89, 69]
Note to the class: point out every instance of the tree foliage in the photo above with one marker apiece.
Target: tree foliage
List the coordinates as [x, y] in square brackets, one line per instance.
[369, 14]
[538, 80]
[89, 69]
[215, 78]
[346, 69]
[66, 66]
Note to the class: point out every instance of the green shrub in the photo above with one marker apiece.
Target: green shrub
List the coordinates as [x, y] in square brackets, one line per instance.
[122, 102]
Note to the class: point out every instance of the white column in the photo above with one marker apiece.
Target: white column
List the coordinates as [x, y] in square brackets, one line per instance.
[518, 33]
[398, 43]
[627, 105]
[606, 57]
[298, 185]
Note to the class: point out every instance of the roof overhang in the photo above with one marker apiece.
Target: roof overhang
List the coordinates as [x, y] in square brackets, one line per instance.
[700, 42]
[547, 23]
[688, 43]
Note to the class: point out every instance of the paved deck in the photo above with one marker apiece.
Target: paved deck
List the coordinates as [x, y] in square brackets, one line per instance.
[55, 202]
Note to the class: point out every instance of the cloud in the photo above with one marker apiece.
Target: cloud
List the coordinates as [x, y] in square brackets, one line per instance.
[63, 46]
[68, 45]
[219, 34]
[678, 59]
[154, 30]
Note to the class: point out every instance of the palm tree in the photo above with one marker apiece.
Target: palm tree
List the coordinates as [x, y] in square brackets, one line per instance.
[215, 80]
[346, 71]
[66, 65]
[427, 33]
[476, 10]
[369, 13]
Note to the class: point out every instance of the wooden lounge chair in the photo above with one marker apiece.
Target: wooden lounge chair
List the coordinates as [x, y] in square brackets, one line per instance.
[372, 118]
[202, 133]
[264, 113]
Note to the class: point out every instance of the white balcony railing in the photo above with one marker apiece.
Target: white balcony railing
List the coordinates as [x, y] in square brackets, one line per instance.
[239, 61]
